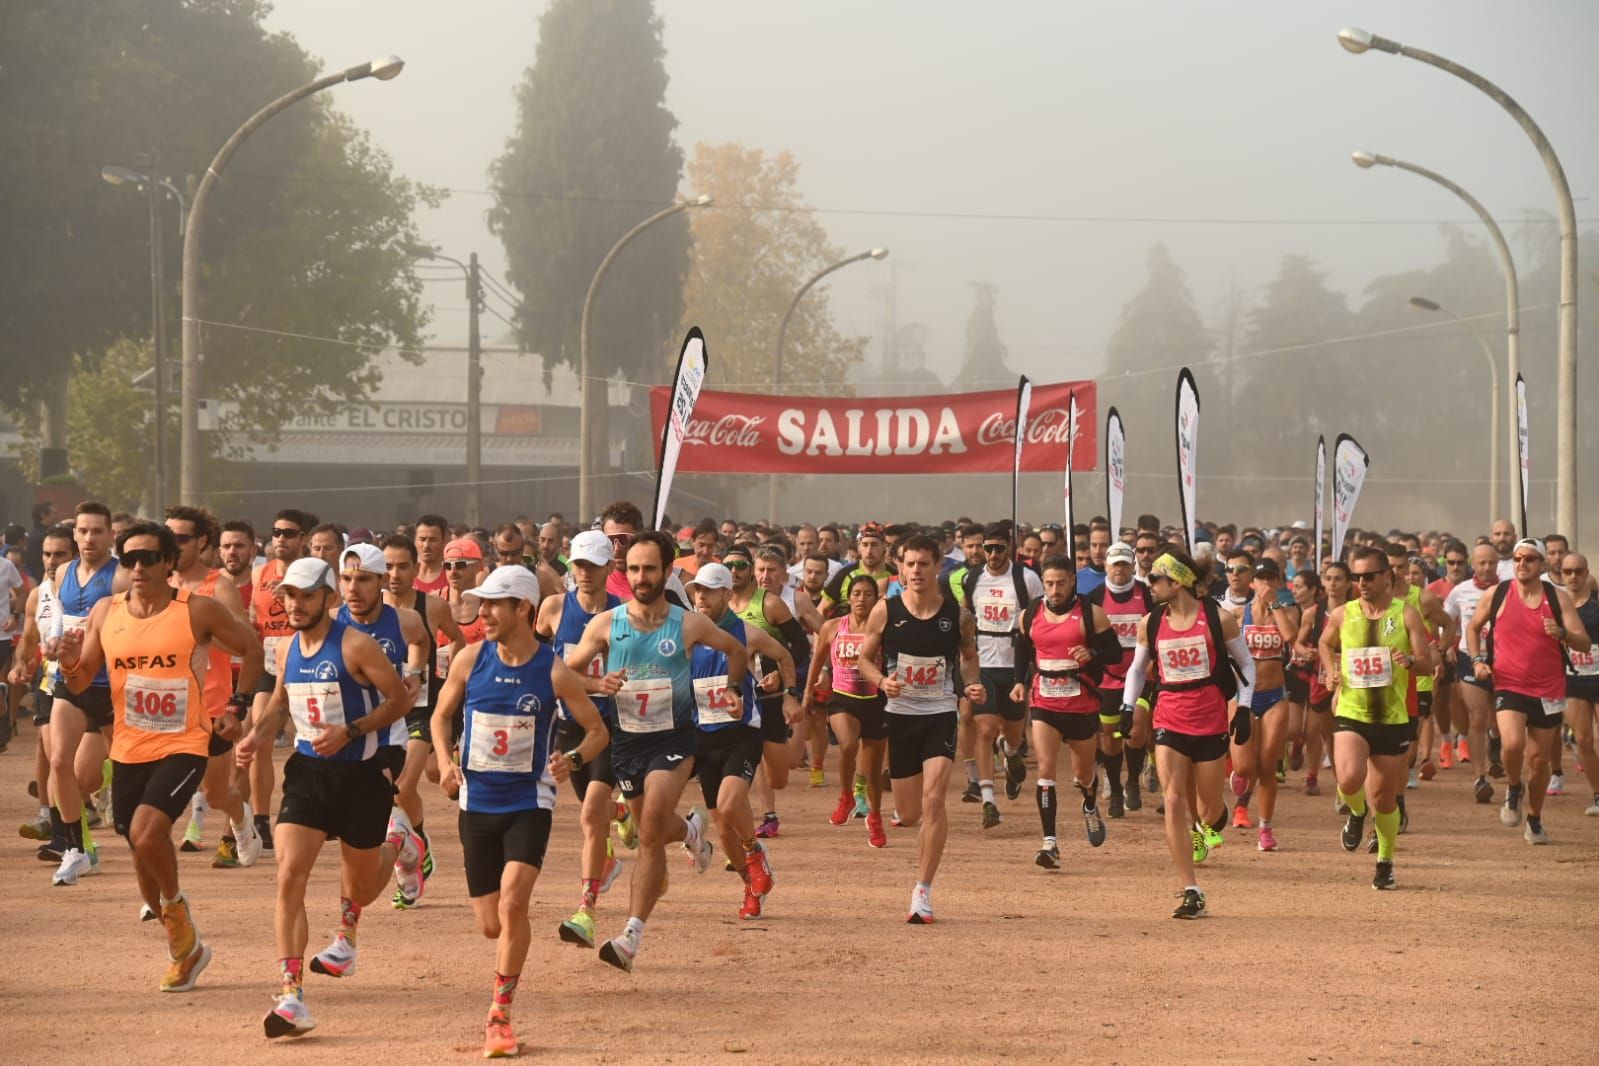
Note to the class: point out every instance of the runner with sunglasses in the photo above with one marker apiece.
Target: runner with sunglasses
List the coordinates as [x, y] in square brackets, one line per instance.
[1370, 648]
[1582, 673]
[1125, 602]
[1268, 629]
[288, 543]
[1474, 695]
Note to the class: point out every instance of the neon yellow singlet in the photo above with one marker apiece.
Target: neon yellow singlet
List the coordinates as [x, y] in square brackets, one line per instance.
[1374, 688]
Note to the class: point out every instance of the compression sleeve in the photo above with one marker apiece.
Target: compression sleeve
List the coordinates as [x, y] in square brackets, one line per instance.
[1246, 668]
[1137, 673]
[799, 645]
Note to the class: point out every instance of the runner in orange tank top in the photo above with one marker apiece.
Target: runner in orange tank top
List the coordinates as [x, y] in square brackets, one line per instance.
[196, 530]
[152, 642]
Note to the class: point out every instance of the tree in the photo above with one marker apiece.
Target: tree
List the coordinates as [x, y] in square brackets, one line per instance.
[984, 364]
[747, 265]
[592, 155]
[305, 236]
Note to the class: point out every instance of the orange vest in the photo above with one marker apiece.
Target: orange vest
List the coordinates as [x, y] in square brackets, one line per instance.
[271, 619]
[157, 674]
[219, 676]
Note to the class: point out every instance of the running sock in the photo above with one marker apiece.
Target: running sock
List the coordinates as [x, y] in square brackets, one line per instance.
[1045, 791]
[349, 915]
[291, 972]
[752, 847]
[58, 827]
[1088, 791]
[591, 892]
[988, 790]
[1135, 762]
[72, 832]
[263, 825]
[860, 785]
[1356, 802]
[971, 771]
[83, 827]
[1220, 824]
[1265, 823]
[504, 990]
[1113, 767]
[1387, 823]
[634, 933]
[44, 812]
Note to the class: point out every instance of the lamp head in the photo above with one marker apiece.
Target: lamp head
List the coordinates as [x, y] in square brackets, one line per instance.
[122, 176]
[703, 201]
[387, 68]
[1421, 303]
[1363, 160]
[1354, 39]
[878, 253]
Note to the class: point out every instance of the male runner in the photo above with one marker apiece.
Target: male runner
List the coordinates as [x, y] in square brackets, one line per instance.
[153, 640]
[647, 643]
[271, 621]
[1502, 536]
[1475, 695]
[1582, 673]
[41, 633]
[922, 638]
[325, 543]
[432, 533]
[510, 763]
[1125, 602]
[1092, 576]
[236, 551]
[344, 694]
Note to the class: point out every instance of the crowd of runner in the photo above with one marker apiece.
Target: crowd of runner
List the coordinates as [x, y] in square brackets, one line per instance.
[164, 661]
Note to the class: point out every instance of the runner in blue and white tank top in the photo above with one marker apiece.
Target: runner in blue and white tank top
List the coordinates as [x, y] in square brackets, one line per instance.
[510, 763]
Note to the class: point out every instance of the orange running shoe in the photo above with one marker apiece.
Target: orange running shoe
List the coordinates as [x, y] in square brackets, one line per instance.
[1446, 755]
[1462, 751]
[1241, 817]
[499, 1042]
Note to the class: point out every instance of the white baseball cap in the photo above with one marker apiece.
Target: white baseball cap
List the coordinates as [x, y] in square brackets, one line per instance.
[712, 576]
[368, 557]
[505, 583]
[308, 573]
[1530, 542]
[592, 546]
[1120, 552]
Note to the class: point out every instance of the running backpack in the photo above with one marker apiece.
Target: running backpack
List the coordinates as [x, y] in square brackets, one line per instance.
[1224, 678]
[1502, 590]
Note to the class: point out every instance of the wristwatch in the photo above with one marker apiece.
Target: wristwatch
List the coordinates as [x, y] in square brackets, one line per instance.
[352, 732]
[575, 758]
[795, 691]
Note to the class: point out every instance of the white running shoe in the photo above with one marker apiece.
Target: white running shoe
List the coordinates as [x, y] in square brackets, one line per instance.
[1557, 785]
[335, 960]
[74, 864]
[921, 906]
[1593, 809]
[248, 840]
[694, 842]
[1414, 781]
[289, 1016]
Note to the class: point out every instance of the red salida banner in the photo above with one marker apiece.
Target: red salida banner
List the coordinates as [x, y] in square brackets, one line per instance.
[963, 433]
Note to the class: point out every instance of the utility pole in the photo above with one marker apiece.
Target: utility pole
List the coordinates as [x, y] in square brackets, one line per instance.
[158, 340]
[474, 395]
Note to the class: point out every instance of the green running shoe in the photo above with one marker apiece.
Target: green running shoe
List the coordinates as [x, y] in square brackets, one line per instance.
[579, 929]
[1201, 849]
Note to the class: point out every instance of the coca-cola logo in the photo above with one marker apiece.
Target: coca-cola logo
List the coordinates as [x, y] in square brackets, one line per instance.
[1047, 427]
[733, 431]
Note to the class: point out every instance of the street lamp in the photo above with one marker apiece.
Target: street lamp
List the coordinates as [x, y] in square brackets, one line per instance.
[1358, 41]
[782, 335]
[585, 418]
[1421, 303]
[1367, 160]
[152, 187]
[382, 69]
[474, 376]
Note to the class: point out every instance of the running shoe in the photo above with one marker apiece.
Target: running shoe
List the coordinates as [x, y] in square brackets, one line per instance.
[863, 806]
[1354, 831]
[1383, 879]
[1241, 817]
[1048, 856]
[1496, 770]
[1413, 781]
[1104, 786]
[427, 853]
[759, 868]
[182, 974]
[1404, 816]
[289, 1016]
[769, 827]
[818, 778]
[1238, 783]
[194, 832]
[1213, 836]
[1118, 805]
[842, 811]
[1533, 832]
[613, 870]
[1151, 777]
[499, 1042]
[626, 830]
[1462, 751]
[1428, 770]
[694, 842]
[1201, 849]
[1267, 841]
[1135, 796]
[1312, 788]
[1510, 813]
[248, 850]
[74, 864]
[1593, 809]
[38, 829]
[619, 953]
[921, 907]
[750, 909]
[877, 838]
[408, 870]
[1557, 785]
[1094, 826]
[1015, 774]
[893, 819]
[1446, 756]
[1371, 842]
[1296, 756]
[973, 793]
[578, 929]
[990, 815]
[1282, 770]
[147, 913]
[227, 856]
[1192, 905]
[335, 960]
[1483, 790]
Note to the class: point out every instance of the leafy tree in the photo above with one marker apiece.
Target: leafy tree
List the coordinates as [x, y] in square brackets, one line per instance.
[984, 363]
[592, 155]
[747, 265]
[305, 234]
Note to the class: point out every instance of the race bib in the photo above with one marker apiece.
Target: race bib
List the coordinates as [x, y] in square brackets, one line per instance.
[441, 660]
[1126, 627]
[421, 701]
[1263, 642]
[316, 706]
[1554, 708]
[645, 706]
[270, 646]
[922, 676]
[1184, 659]
[73, 621]
[995, 607]
[155, 704]
[1583, 664]
[1058, 688]
[502, 743]
[1368, 667]
[711, 697]
[848, 649]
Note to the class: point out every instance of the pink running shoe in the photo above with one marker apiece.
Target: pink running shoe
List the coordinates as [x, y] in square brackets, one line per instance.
[1266, 842]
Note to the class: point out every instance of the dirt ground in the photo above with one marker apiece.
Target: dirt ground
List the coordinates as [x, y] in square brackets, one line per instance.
[1488, 952]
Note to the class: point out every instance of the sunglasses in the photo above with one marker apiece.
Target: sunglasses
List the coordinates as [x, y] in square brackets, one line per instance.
[1240, 569]
[1144, 551]
[183, 538]
[145, 557]
[1454, 562]
[996, 547]
[1365, 575]
[737, 564]
[1528, 559]
[619, 539]
[1573, 571]
[284, 532]
[457, 564]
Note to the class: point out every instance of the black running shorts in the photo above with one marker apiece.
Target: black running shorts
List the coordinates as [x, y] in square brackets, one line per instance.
[166, 784]
[349, 801]
[733, 751]
[1381, 739]
[868, 712]
[1193, 748]
[1540, 715]
[997, 683]
[569, 735]
[639, 758]
[94, 702]
[774, 730]
[489, 841]
[1069, 726]
[915, 738]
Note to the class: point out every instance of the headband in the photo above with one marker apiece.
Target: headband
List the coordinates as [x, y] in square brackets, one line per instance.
[1168, 566]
